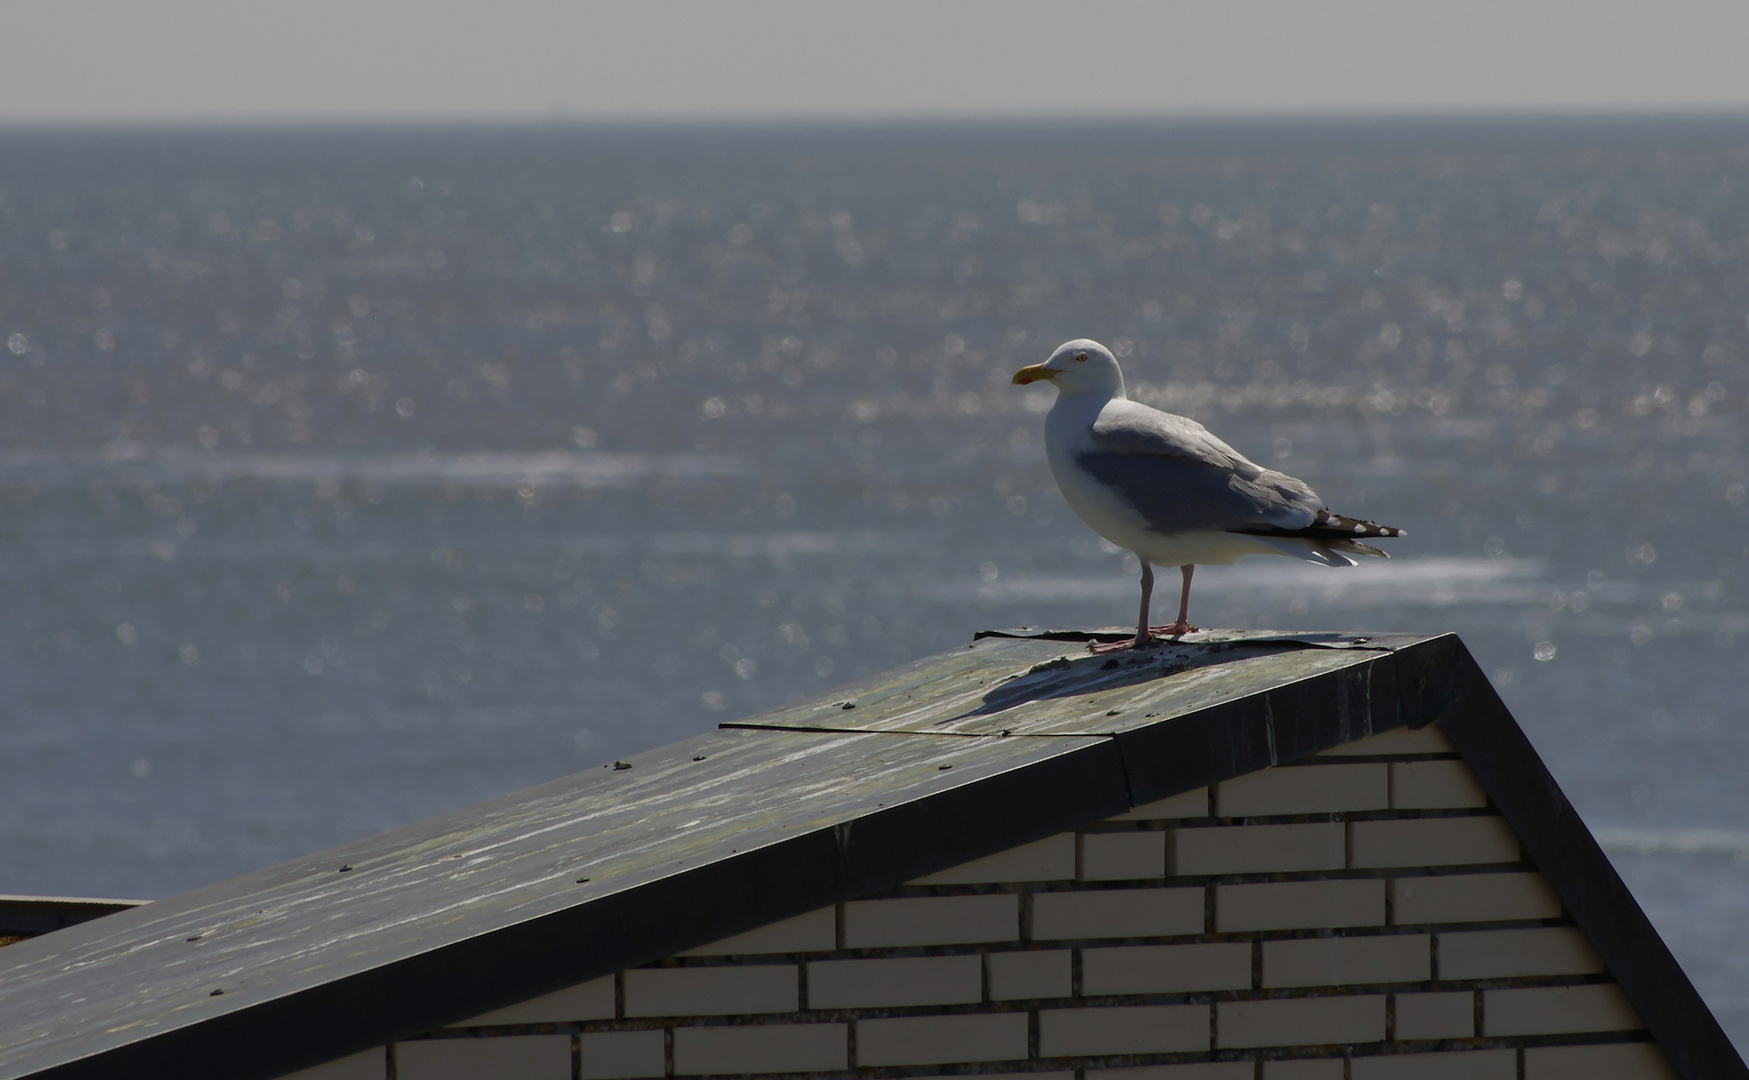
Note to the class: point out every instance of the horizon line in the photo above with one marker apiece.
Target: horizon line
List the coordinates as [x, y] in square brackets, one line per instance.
[580, 120]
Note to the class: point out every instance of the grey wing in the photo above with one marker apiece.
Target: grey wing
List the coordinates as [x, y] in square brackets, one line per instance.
[1180, 478]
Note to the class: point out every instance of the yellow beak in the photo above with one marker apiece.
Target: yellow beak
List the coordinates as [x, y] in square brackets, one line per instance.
[1033, 374]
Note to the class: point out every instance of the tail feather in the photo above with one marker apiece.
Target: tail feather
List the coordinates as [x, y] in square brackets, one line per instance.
[1337, 531]
[1327, 554]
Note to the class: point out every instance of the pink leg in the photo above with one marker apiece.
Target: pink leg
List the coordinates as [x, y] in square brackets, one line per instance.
[1141, 639]
[1182, 626]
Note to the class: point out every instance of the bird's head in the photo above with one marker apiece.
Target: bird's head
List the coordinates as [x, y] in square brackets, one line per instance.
[1077, 367]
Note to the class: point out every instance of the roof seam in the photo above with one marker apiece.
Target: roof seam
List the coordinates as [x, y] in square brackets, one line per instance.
[1004, 734]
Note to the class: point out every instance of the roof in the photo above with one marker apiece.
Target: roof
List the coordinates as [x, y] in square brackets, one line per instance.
[950, 758]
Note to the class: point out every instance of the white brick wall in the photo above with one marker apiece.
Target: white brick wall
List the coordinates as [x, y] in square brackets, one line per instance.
[1557, 1010]
[765, 1048]
[915, 980]
[1458, 898]
[1452, 841]
[1305, 1069]
[1141, 948]
[931, 920]
[1468, 1065]
[1307, 789]
[1123, 856]
[1301, 1021]
[1608, 1061]
[1256, 849]
[711, 991]
[1123, 1029]
[1117, 913]
[1016, 975]
[1500, 954]
[1434, 785]
[1294, 905]
[1342, 961]
[1440, 1015]
[1166, 969]
[941, 1040]
[615, 1054]
[513, 1057]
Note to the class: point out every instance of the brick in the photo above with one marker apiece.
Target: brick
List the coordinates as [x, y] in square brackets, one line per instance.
[1304, 1069]
[1110, 913]
[372, 1064]
[768, 1048]
[1050, 859]
[1448, 1065]
[1065, 1075]
[1258, 849]
[1347, 960]
[817, 931]
[1299, 905]
[1197, 1070]
[1023, 975]
[1444, 1015]
[1557, 1010]
[931, 920]
[940, 1040]
[1314, 1021]
[1305, 789]
[612, 1055]
[1435, 785]
[711, 991]
[1603, 1061]
[1398, 741]
[1166, 969]
[1431, 842]
[1123, 856]
[592, 1000]
[921, 980]
[1128, 1029]
[1503, 954]
[506, 1057]
[1191, 804]
[1473, 898]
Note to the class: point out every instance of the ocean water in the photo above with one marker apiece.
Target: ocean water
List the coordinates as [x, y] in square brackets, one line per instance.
[350, 477]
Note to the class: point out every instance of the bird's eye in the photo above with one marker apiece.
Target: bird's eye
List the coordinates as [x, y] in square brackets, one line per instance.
[1080, 358]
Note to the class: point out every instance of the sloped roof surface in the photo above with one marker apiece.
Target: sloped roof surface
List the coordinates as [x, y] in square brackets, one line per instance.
[948, 759]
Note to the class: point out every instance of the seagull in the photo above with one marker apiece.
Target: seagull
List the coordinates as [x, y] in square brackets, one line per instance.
[1165, 488]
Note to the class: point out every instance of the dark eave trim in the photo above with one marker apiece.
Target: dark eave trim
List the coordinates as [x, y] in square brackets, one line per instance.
[1521, 786]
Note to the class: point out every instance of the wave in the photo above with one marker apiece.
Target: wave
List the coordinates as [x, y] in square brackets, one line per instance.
[128, 463]
[1643, 841]
[1436, 581]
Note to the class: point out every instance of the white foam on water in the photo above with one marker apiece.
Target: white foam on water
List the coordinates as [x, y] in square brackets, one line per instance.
[1435, 582]
[780, 545]
[134, 463]
[1645, 841]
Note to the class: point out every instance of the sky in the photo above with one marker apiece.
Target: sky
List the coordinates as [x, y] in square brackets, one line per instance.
[107, 62]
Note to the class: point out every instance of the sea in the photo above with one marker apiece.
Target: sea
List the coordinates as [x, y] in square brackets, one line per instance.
[352, 476]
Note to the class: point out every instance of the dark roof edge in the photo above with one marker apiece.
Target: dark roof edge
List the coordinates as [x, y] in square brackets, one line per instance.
[1503, 759]
[29, 916]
